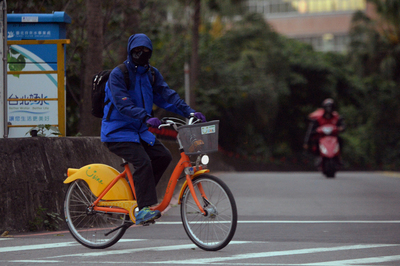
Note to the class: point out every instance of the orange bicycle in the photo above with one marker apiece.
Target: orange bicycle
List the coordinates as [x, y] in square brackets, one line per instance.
[100, 204]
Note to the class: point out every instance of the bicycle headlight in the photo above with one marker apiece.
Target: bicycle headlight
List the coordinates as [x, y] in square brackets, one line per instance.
[205, 159]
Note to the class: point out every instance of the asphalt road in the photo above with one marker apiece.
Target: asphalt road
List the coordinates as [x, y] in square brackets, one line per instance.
[284, 219]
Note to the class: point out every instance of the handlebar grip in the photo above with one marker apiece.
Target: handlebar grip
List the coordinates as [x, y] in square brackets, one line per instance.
[192, 117]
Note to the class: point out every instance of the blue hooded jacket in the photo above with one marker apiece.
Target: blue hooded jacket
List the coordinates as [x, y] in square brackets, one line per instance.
[133, 105]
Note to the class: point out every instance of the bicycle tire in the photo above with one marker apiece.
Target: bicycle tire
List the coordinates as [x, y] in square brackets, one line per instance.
[215, 230]
[89, 229]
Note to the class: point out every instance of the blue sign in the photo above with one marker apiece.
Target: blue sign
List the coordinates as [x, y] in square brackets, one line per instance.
[39, 27]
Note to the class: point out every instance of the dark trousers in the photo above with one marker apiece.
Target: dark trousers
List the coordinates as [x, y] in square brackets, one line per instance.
[150, 162]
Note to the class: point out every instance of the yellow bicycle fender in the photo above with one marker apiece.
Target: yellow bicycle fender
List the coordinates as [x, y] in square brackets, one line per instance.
[98, 176]
[185, 184]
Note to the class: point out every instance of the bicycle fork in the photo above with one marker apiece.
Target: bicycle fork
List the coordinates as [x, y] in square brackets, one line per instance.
[193, 192]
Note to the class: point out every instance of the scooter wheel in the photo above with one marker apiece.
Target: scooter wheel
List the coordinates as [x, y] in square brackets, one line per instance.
[329, 168]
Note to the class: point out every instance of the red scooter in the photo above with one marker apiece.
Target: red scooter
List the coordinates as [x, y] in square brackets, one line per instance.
[329, 149]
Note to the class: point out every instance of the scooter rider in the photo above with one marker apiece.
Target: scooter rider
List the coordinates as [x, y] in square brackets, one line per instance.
[320, 117]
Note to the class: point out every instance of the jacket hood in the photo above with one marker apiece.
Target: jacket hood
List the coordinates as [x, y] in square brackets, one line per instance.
[137, 40]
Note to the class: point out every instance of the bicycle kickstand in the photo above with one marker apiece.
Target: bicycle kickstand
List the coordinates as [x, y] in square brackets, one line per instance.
[126, 225]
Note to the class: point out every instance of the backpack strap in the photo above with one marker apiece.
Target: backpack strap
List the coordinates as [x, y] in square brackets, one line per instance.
[124, 70]
[153, 73]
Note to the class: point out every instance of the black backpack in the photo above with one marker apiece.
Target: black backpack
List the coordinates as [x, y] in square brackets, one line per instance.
[98, 90]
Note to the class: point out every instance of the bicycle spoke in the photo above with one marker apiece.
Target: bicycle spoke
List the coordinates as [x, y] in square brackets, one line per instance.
[215, 229]
[87, 226]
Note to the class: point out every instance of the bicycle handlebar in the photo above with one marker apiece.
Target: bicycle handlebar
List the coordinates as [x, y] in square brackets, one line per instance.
[176, 122]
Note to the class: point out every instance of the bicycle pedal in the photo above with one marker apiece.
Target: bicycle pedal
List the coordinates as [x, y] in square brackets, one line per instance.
[149, 223]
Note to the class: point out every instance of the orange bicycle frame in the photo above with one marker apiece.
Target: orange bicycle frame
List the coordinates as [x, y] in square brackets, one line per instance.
[179, 168]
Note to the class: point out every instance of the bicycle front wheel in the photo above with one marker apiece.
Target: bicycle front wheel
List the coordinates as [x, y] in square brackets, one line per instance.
[214, 230]
[90, 227]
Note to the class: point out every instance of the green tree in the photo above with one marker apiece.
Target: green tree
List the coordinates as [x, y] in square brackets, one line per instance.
[375, 53]
[93, 64]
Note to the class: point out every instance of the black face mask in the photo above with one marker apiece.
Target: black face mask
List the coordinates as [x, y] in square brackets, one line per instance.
[328, 109]
[141, 58]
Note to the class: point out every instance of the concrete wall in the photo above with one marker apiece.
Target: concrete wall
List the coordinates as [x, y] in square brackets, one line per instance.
[32, 171]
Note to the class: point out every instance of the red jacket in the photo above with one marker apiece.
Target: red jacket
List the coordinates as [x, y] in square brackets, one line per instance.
[318, 115]
[317, 119]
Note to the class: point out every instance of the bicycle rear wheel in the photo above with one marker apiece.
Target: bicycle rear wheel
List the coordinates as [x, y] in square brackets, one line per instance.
[89, 227]
[214, 230]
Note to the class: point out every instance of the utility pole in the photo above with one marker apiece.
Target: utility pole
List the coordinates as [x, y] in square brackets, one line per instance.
[186, 70]
[194, 60]
[3, 70]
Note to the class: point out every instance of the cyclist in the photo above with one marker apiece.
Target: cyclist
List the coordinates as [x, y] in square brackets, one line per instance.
[125, 132]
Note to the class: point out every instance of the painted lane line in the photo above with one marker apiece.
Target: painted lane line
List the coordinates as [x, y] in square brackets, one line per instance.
[217, 261]
[275, 254]
[127, 251]
[300, 222]
[55, 245]
[39, 246]
[131, 240]
[240, 222]
[36, 261]
[355, 261]
[322, 222]
[143, 262]
[55, 233]
[350, 262]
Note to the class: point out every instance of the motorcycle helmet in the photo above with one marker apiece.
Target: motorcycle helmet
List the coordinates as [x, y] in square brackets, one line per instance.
[328, 105]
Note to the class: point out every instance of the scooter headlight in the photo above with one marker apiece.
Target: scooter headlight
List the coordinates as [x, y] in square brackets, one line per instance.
[323, 149]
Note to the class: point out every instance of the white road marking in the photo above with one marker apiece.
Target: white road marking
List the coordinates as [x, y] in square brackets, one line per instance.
[37, 261]
[355, 261]
[54, 245]
[274, 254]
[126, 251]
[212, 261]
[131, 240]
[301, 222]
[39, 246]
[321, 222]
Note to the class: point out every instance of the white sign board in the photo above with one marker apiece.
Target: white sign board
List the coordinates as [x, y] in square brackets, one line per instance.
[3, 64]
[27, 92]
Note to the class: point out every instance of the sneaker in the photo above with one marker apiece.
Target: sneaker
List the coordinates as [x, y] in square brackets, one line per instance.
[146, 215]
